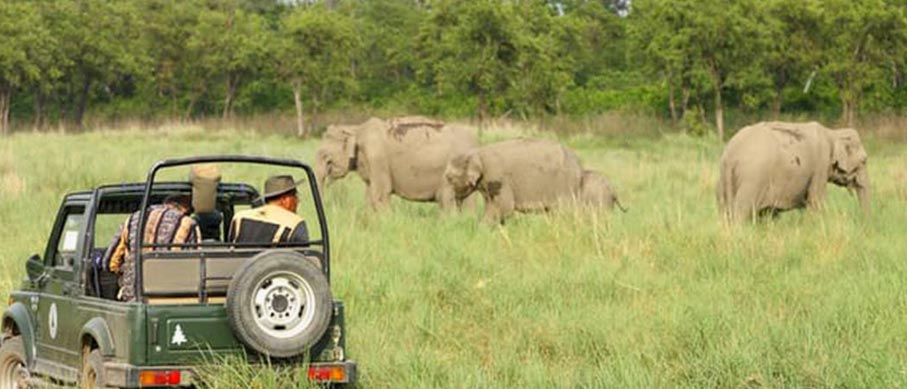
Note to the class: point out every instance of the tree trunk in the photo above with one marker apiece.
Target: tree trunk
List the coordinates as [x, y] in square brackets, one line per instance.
[483, 109]
[776, 104]
[39, 122]
[684, 100]
[5, 98]
[297, 99]
[83, 101]
[671, 103]
[719, 113]
[193, 98]
[228, 98]
[848, 106]
[174, 108]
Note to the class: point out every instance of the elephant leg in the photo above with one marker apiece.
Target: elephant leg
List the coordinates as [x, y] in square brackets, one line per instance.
[746, 204]
[498, 206]
[816, 193]
[467, 204]
[726, 192]
[446, 199]
[379, 192]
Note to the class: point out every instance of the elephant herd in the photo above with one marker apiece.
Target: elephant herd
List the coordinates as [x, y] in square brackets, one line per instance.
[766, 168]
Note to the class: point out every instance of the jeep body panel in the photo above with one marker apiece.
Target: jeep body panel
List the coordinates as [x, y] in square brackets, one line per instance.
[17, 315]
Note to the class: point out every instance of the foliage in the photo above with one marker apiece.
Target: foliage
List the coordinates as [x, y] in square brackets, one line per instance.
[315, 52]
[162, 59]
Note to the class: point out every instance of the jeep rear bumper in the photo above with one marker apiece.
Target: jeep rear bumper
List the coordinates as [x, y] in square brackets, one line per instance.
[129, 376]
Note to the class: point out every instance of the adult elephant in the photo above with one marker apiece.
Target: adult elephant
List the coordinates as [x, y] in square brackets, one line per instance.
[771, 167]
[404, 156]
[516, 175]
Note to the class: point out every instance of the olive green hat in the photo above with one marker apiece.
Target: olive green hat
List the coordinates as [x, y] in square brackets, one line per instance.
[279, 185]
[204, 179]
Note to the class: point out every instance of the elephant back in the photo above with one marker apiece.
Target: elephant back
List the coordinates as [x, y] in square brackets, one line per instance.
[541, 172]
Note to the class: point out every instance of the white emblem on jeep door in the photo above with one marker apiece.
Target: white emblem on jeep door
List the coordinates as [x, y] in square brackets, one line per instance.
[178, 336]
[52, 321]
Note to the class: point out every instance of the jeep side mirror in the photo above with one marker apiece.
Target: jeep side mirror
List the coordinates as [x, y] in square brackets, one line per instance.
[34, 267]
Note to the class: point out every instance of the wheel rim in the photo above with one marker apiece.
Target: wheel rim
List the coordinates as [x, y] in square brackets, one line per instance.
[283, 305]
[14, 374]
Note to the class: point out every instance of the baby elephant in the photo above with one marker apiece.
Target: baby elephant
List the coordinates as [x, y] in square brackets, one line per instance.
[522, 175]
[596, 190]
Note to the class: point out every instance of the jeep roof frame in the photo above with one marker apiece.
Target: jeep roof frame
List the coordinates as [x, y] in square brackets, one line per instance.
[139, 244]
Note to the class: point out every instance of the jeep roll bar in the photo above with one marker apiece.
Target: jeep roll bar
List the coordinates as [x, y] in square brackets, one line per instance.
[139, 244]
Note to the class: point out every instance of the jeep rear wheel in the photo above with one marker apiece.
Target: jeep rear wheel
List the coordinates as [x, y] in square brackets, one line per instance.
[93, 375]
[14, 373]
[279, 303]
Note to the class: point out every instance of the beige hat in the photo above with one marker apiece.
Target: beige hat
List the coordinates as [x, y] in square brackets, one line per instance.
[278, 185]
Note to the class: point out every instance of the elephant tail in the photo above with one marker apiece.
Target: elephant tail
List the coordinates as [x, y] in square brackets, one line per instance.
[619, 205]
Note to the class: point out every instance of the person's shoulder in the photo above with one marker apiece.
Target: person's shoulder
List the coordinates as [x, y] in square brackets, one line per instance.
[281, 215]
[247, 212]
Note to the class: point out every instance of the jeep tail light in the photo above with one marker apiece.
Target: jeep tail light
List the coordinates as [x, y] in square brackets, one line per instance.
[159, 377]
[327, 373]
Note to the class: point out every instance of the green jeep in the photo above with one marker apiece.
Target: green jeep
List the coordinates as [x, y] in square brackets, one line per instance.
[263, 302]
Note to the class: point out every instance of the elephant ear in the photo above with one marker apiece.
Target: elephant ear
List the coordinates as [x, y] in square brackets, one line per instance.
[349, 148]
[847, 150]
[474, 169]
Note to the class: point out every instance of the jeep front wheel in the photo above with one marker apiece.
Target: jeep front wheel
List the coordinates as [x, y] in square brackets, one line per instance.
[13, 371]
[279, 303]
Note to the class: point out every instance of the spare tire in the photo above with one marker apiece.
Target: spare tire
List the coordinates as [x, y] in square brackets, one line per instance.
[279, 303]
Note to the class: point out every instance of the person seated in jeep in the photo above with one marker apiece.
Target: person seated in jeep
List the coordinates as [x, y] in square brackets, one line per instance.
[167, 223]
[276, 221]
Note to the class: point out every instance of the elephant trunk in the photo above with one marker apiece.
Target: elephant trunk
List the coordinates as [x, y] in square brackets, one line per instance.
[861, 187]
[321, 177]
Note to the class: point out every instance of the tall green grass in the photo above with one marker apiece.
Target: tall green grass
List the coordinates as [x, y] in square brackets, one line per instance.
[662, 296]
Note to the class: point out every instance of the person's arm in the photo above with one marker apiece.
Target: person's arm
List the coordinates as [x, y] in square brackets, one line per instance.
[300, 233]
[117, 249]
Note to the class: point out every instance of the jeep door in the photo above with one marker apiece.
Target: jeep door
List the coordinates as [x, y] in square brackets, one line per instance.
[56, 336]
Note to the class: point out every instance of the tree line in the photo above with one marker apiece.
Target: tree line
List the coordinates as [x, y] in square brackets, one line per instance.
[684, 60]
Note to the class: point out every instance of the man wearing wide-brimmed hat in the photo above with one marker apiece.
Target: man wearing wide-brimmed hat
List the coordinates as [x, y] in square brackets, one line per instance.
[276, 221]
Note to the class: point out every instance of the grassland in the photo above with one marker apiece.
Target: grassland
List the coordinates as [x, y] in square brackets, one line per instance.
[662, 296]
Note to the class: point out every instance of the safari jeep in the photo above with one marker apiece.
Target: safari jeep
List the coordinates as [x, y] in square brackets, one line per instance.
[195, 304]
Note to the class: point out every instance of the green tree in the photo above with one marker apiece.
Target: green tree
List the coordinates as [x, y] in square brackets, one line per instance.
[727, 40]
[169, 26]
[471, 47]
[102, 42]
[862, 38]
[315, 52]
[228, 46]
[26, 45]
[794, 44]
[388, 61]
[549, 50]
[662, 33]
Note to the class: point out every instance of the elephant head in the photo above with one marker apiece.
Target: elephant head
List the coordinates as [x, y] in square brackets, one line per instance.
[848, 164]
[463, 173]
[337, 154]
